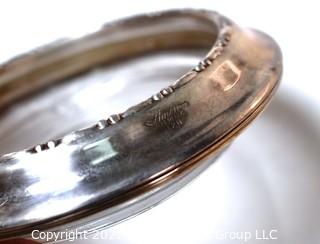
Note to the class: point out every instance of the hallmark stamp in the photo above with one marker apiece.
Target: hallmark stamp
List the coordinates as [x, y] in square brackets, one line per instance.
[172, 117]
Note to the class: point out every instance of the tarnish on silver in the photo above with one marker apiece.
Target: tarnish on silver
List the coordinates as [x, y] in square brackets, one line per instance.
[130, 161]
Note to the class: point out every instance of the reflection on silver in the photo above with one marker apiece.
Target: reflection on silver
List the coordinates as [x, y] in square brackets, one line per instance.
[132, 160]
[100, 151]
[226, 75]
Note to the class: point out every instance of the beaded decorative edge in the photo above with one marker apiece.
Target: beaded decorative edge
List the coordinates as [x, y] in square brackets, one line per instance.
[216, 51]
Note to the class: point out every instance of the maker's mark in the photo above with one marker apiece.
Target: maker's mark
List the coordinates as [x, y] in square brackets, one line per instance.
[172, 117]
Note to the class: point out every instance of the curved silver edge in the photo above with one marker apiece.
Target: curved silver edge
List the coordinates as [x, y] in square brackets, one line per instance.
[88, 176]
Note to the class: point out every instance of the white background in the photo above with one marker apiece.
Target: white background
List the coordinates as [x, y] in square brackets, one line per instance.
[270, 177]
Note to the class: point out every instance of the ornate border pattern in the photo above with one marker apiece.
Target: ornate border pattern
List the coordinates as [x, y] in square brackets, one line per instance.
[223, 39]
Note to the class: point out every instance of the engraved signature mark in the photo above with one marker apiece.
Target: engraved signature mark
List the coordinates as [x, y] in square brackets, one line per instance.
[170, 118]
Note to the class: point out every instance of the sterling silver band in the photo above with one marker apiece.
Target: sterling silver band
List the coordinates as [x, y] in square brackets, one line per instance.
[130, 161]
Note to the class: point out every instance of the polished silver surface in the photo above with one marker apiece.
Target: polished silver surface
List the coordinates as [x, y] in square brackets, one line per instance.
[81, 101]
[128, 162]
